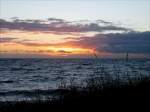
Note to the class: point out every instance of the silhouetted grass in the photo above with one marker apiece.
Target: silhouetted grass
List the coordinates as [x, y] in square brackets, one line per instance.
[93, 95]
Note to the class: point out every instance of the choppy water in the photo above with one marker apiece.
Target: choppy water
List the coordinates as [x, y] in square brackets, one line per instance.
[20, 78]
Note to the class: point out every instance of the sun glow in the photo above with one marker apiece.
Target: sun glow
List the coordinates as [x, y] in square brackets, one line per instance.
[70, 50]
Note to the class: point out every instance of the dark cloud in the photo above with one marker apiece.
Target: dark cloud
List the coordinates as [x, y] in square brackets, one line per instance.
[100, 21]
[2, 20]
[55, 20]
[17, 20]
[63, 51]
[6, 39]
[34, 44]
[132, 42]
[59, 25]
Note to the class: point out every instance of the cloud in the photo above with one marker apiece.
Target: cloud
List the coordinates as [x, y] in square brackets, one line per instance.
[127, 41]
[56, 20]
[17, 20]
[104, 22]
[63, 51]
[34, 44]
[132, 42]
[2, 20]
[59, 25]
[6, 39]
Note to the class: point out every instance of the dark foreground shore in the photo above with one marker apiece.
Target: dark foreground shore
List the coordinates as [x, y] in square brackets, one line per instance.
[93, 98]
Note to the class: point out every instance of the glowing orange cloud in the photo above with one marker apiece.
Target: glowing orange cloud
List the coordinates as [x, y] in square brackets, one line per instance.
[55, 50]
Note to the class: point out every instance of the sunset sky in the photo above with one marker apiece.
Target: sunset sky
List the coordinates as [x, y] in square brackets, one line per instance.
[74, 28]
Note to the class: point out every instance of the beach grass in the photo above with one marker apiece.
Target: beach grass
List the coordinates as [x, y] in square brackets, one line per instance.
[93, 96]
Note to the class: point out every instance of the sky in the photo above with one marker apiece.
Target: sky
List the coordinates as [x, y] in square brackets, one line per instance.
[74, 28]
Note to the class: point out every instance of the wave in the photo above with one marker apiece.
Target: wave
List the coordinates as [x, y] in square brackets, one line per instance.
[21, 68]
[7, 81]
[28, 92]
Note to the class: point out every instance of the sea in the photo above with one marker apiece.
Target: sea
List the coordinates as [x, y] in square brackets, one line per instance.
[20, 79]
